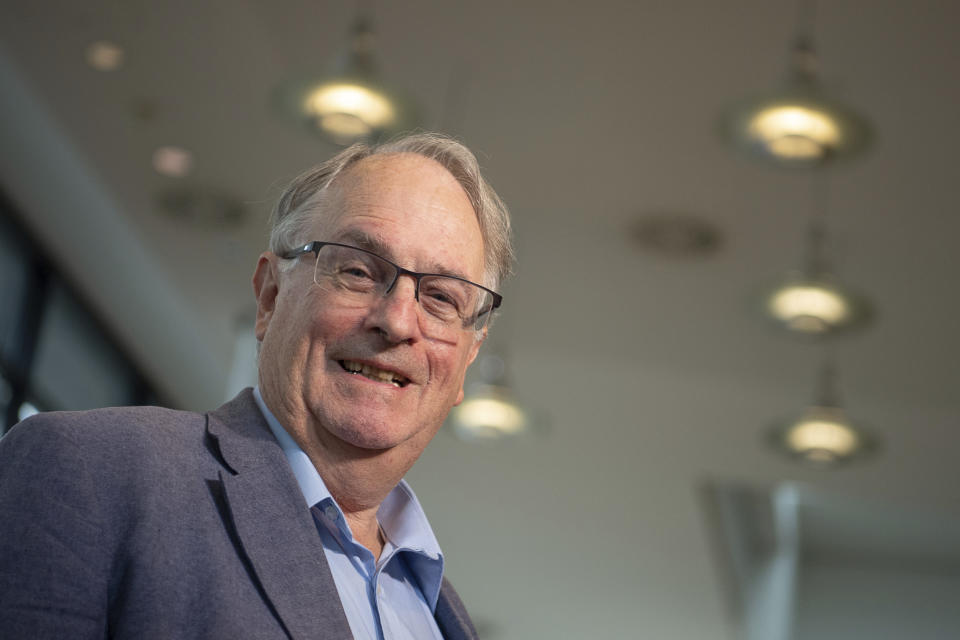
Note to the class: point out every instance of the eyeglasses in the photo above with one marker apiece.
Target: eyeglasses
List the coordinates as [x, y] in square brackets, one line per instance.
[359, 276]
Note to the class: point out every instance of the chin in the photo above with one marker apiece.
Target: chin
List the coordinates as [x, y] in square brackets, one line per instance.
[373, 436]
[370, 442]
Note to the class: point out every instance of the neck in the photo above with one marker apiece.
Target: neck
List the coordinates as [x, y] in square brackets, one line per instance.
[358, 479]
[366, 531]
[359, 485]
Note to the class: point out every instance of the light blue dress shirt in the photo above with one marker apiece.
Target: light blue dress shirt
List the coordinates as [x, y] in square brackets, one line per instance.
[391, 599]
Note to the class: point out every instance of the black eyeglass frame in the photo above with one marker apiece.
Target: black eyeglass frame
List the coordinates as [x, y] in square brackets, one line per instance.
[315, 246]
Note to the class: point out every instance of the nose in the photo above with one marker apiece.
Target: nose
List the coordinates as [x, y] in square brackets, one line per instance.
[396, 315]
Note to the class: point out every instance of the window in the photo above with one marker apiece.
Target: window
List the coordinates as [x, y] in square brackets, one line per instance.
[54, 352]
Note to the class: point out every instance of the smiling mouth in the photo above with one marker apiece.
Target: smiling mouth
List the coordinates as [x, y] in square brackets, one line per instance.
[373, 373]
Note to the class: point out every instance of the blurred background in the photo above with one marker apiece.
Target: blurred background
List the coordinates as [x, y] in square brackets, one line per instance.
[648, 492]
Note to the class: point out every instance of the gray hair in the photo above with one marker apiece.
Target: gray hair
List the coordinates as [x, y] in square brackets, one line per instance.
[304, 196]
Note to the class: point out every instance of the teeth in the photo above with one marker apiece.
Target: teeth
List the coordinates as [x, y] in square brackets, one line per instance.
[373, 373]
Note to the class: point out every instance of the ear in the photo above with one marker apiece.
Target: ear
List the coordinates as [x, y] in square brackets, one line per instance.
[474, 350]
[266, 286]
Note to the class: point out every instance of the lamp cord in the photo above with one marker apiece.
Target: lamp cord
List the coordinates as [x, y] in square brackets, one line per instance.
[803, 62]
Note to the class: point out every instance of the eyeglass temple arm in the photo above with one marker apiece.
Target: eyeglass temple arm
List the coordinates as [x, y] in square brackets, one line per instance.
[472, 320]
[312, 247]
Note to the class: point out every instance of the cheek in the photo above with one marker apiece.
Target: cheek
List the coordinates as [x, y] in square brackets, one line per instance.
[326, 330]
[325, 322]
[294, 330]
[456, 360]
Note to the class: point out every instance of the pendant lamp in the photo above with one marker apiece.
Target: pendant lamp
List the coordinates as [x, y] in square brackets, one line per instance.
[823, 433]
[351, 103]
[490, 410]
[812, 301]
[797, 124]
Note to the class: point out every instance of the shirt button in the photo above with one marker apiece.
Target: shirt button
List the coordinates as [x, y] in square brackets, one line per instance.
[331, 512]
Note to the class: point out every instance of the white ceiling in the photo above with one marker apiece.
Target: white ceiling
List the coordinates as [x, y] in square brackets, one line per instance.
[655, 372]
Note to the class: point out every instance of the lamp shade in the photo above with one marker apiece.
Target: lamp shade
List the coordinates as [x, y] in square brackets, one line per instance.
[488, 412]
[822, 435]
[346, 108]
[796, 127]
[815, 305]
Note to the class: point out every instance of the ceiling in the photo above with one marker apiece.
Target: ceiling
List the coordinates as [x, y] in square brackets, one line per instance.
[654, 371]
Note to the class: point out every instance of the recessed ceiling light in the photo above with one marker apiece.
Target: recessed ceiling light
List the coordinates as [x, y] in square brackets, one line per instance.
[175, 162]
[677, 234]
[104, 56]
[201, 207]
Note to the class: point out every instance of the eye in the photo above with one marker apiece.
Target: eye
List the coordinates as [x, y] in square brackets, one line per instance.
[443, 296]
[358, 266]
[356, 271]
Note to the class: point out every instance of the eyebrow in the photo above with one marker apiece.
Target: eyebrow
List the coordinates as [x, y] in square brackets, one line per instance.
[376, 244]
[364, 240]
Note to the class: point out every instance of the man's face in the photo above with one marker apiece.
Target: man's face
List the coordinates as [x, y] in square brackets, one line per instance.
[410, 210]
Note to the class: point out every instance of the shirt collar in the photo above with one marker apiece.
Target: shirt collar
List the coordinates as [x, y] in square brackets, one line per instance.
[311, 484]
[401, 517]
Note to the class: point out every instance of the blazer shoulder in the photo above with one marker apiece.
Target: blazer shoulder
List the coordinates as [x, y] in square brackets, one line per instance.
[122, 422]
[152, 439]
[127, 432]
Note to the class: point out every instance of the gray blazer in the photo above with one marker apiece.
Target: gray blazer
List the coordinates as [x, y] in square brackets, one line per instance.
[151, 523]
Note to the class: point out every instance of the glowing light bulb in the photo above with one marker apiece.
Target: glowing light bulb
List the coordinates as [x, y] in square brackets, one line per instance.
[349, 110]
[810, 308]
[823, 435]
[175, 162]
[795, 132]
[486, 417]
[104, 56]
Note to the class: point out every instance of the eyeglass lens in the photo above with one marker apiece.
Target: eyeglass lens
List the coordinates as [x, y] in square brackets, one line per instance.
[359, 276]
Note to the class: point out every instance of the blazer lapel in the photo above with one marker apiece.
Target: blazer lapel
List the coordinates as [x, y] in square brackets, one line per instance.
[451, 615]
[273, 524]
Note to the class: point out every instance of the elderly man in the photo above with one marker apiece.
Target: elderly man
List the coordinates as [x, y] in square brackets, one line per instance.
[283, 513]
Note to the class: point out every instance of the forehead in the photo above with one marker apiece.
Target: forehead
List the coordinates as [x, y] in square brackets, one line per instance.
[411, 207]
